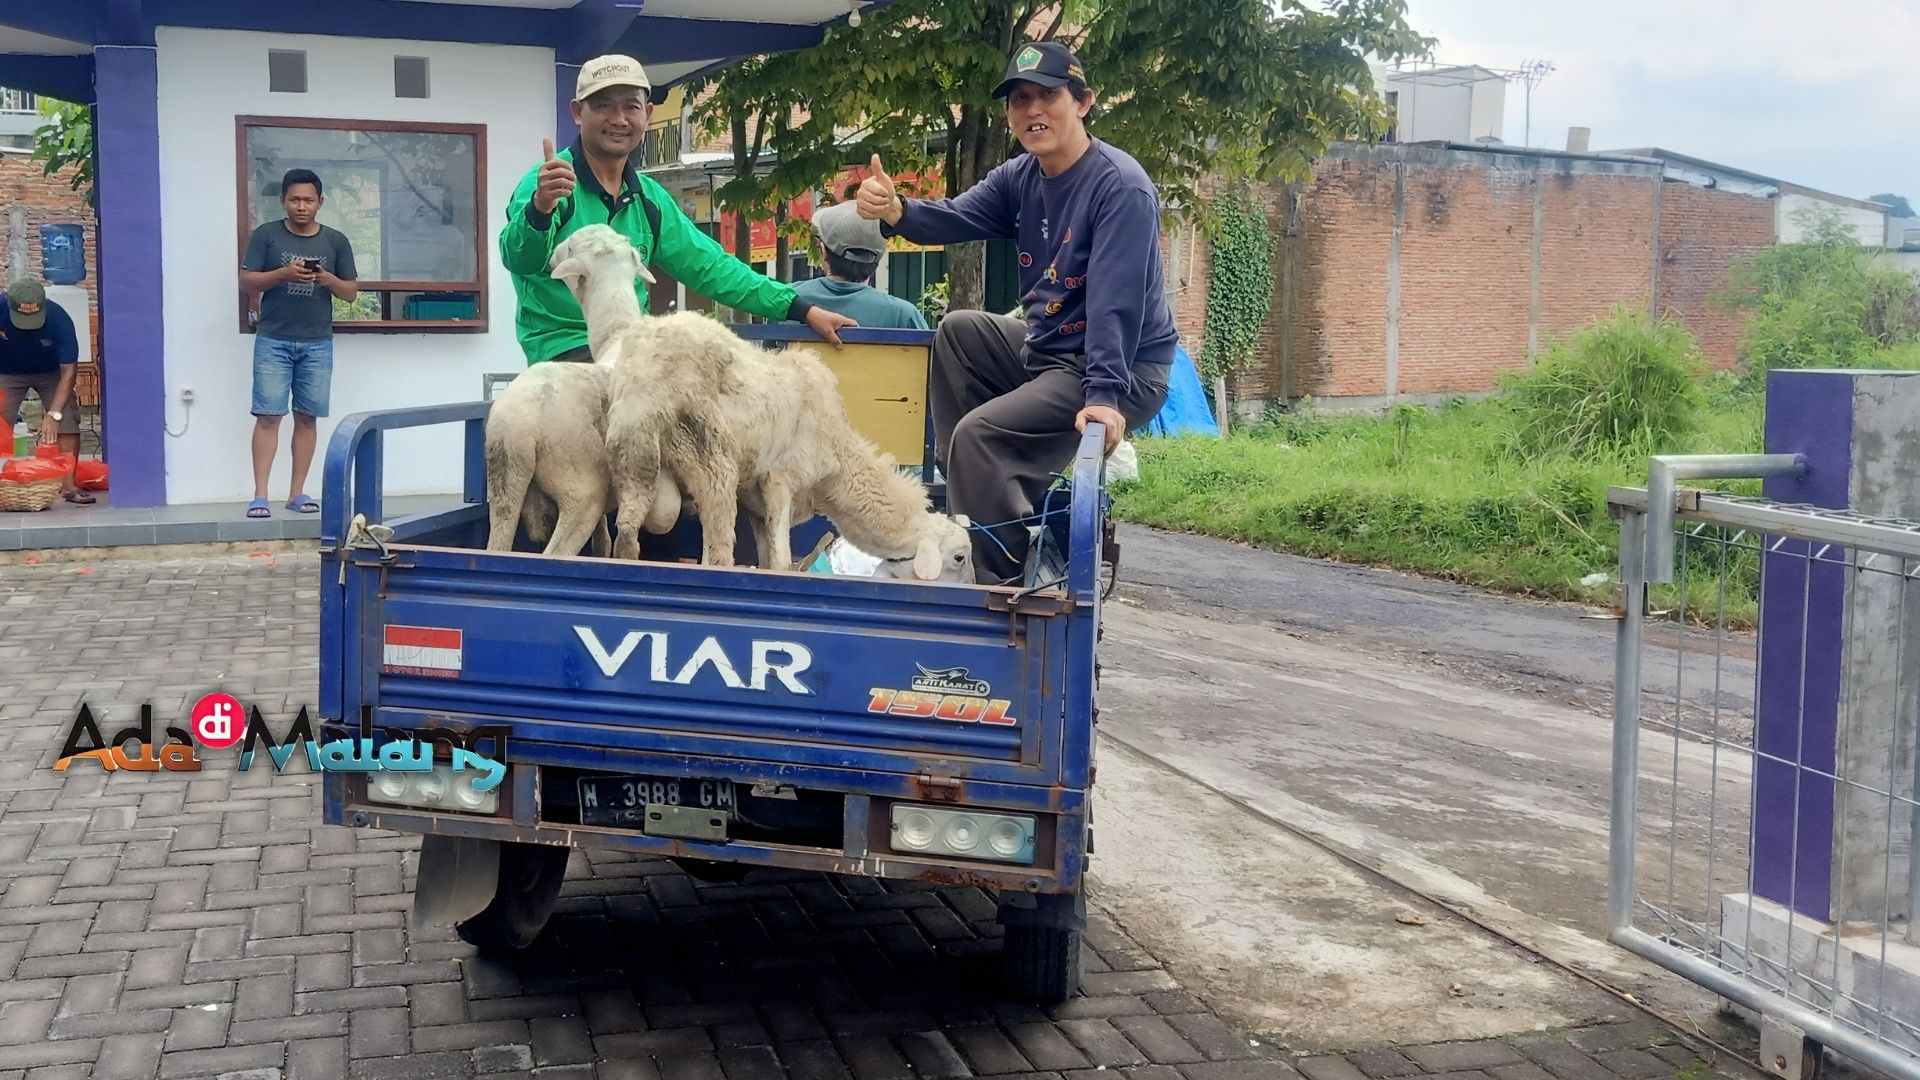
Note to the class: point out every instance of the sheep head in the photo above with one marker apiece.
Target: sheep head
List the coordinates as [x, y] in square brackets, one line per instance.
[943, 551]
[596, 250]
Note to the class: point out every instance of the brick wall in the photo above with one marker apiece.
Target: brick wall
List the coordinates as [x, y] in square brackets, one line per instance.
[49, 201]
[1702, 235]
[1465, 279]
[1596, 252]
[1343, 243]
[1498, 254]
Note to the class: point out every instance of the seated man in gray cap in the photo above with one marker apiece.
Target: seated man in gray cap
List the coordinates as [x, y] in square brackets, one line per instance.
[853, 248]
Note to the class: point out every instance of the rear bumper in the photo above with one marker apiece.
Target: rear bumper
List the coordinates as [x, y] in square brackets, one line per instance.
[863, 850]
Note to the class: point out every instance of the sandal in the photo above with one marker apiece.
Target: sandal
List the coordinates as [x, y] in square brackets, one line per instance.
[80, 498]
[303, 504]
[258, 508]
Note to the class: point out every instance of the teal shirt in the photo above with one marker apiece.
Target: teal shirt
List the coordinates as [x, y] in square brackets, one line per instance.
[862, 303]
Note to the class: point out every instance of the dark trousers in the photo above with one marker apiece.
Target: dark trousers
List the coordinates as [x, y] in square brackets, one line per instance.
[1003, 426]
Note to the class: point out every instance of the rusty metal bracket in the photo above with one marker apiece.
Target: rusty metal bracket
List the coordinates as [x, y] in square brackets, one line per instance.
[1028, 602]
[939, 787]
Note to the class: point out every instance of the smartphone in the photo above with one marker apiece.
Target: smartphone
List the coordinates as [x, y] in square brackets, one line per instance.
[311, 264]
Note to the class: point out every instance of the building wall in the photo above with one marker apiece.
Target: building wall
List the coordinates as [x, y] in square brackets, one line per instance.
[1431, 112]
[1489, 110]
[1702, 235]
[1869, 226]
[1339, 276]
[1465, 262]
[206, 79]
[1498, 255]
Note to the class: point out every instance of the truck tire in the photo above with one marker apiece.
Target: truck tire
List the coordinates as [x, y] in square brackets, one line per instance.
[530, 877]
[1040, 965]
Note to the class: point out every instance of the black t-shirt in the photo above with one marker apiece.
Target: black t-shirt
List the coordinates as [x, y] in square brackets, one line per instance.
[293, 311]
[37, 352]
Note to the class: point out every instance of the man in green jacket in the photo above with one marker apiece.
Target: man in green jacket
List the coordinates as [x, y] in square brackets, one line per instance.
[612, 105]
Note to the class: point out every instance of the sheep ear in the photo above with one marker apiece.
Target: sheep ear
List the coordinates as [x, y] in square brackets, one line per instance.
[926, 560]
[572, 271]
[640, 267]
[962, 521]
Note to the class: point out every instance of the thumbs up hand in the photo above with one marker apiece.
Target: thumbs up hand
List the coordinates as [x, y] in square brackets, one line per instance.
[555, 180]
[877, 201]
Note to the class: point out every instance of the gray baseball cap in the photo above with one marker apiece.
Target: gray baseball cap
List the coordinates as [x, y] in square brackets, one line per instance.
[843, 231]
[28, 303]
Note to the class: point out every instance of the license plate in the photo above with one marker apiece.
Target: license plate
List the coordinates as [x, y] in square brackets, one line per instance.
[623, 800]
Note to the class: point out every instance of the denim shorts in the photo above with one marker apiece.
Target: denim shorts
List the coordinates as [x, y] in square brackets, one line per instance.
[300, 369]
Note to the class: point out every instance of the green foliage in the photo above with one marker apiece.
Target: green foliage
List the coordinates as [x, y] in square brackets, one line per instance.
[1627, 383]
[1897, 203]
[1240, 286]
[66, 141]
[933, 301]
[1827, 302]
[1443, 499]
[1403, 418]
[1183, 87]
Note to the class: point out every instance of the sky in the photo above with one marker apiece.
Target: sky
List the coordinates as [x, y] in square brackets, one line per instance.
[1825, 94]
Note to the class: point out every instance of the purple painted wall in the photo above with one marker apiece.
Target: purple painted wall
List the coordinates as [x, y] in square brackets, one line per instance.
[133, 373]
[565, 77]
[1802, 623]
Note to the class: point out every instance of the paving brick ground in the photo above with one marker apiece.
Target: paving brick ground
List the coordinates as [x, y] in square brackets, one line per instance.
[167, 925]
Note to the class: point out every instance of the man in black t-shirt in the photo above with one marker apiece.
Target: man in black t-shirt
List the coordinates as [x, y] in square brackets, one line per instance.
[38, 351]
[297, 266]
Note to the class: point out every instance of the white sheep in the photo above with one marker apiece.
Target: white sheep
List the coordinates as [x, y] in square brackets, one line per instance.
[733, 424]
[547, 458]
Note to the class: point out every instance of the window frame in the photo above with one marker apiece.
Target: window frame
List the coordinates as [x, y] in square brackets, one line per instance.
[480, 322]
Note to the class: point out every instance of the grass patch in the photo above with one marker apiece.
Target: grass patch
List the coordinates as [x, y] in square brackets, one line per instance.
[1436, 492]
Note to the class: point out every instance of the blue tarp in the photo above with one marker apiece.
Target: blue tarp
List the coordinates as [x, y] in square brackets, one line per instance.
[1186, 411]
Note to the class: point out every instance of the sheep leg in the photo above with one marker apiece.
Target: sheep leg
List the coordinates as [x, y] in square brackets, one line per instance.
[633, 456]
[509, 474]
[715, 488]
[578, 522]
[773, 527]
[538, 515]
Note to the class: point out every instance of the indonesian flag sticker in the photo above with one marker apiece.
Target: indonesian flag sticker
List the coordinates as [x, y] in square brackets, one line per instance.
[427, 651]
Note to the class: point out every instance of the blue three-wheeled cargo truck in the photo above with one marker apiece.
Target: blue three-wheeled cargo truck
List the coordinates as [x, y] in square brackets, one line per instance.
[727, 719]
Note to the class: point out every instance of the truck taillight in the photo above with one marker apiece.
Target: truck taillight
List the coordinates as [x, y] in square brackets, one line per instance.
[965, 834]
[438, 789]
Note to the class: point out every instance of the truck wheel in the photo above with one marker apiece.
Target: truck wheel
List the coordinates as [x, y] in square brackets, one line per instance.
[530, 877]
[1040, 964]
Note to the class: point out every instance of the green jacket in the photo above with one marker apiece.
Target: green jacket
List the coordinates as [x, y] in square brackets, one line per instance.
[548, 318]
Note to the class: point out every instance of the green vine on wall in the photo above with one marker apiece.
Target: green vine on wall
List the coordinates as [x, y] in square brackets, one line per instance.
[1240, 287]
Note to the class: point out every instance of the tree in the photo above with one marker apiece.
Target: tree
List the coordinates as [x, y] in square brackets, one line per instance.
[1899, 204]
[1252, 86]
[66, 139]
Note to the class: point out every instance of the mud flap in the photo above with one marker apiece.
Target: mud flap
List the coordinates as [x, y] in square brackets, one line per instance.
[1053, 911]
[457, 879]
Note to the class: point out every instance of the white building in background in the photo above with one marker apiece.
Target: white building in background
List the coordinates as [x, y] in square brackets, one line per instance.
[1869, 221]
[19, 117]
[1459, 103]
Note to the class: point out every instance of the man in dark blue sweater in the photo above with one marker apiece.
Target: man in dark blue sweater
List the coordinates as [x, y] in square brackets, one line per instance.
[1009, 397]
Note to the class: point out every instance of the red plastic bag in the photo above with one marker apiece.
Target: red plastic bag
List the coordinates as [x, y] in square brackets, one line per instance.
[30, 470]
[90, 475]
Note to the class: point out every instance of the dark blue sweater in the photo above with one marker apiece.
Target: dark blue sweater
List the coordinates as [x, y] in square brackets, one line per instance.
[1089, 258]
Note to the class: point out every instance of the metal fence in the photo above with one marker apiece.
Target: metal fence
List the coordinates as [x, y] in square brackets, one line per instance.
[1764, 799]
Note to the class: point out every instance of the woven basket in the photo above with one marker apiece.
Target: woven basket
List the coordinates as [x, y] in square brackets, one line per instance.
[30, 497]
